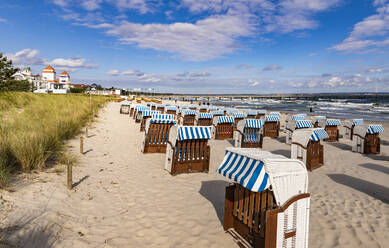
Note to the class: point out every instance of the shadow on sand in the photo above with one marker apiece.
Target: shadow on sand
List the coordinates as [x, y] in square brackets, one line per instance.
[377, 157]
[341, 146]
[376, 167]
[80, 181]
[214, 191]
[374, 190]
[32, 236]
[384, 142]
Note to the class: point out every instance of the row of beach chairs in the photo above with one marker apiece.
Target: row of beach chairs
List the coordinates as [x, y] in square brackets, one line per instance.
[268, 202]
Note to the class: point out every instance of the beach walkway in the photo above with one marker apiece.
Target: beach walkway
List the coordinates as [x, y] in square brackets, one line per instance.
[123, 198]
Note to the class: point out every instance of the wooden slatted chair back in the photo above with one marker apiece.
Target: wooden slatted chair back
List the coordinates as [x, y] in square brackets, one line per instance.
[156, 138]
[204, 122]
[224, 131]
[332, 132]
[271, 129]
[188, 120]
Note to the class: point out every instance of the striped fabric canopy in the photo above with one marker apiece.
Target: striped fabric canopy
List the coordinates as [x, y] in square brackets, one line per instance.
[193, 106]
[357, 122]
[159, 105]
[232, 110]
[203, 107]
[239, 115]
[320, 117]
[193, 132]
[149, 113]
[319, 134]
[190, 112]
[162, 118]
[253, 123]
[248, 172]
[212, 108]
[167, 104]
[375, 129]
[275, 113]
[262, 111]
[171, 108]
[272, 118]
[225, 119]
[141, 108]
[252, 112]
[333, 122]
[303, 124]
[205, 116]
[218, 112]
[184, 106]
[299, 117]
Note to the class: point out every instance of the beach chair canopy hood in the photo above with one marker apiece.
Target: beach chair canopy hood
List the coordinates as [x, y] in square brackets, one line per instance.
[126, 103]
[223, 119]
[333, 122]
[189, 112]
[354, 122]
[299, 117]
[171, 108]
[272, 118]
[262, 112]
[149, 113]
[275, 113]
[205, 115]
[303, 124]
[239, 115]
[364, 129]
[257, 170]
[218, 112]
[252, 112]
[303, 136]
[194, 132]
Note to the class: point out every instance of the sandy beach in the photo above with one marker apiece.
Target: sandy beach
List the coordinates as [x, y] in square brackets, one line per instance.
[123, 198]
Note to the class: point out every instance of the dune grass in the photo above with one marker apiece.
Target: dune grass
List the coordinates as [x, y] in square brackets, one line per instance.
[33, 127]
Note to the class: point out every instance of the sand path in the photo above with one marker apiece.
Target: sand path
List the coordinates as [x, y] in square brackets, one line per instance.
[124, 198]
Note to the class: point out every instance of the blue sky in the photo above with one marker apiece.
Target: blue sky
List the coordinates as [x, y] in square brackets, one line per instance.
[205, 46]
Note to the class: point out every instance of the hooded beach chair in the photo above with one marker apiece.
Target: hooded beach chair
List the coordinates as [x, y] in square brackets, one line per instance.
[203, 109]
[224, 127]
[132, 109]
[125, 107]
[268, 203]
[289, 118]
[146, 114]
[271, 126]
[187, 117]
[366, 138]
[349, 127]
[260, 113]
[293, 125]
[157, 133]
[192, 107]
[331, 127]
[138, 112]
[252, 114]
[306, 146]
[172, 110]
[160, 107]
[217, 113]
[188, 150]
[319, 121]
[238, 117]
[153, 106]
[204, 119]
[249, 134]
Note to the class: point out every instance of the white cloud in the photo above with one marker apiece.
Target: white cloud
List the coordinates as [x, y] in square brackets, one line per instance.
[113, 72]
[254, 82]
[70, 63]
[3, 20]
[374, 70]
[25, 57]
[205, 39]
[369, 34]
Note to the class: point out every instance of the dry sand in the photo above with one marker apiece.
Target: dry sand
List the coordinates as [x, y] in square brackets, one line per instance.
[123, 198]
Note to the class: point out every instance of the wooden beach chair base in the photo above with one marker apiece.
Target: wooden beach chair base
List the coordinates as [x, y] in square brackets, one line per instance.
[224, 131]
[204, 122]
[333, 133]
[271, 129]
[315, 155]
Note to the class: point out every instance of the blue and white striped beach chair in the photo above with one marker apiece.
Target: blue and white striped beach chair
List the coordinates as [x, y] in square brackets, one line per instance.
[249, 134]
[157, 133]
[366, 138]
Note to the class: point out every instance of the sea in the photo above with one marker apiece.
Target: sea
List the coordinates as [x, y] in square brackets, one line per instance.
[369, 108]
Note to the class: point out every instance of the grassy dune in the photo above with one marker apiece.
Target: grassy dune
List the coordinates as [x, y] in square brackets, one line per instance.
[34, 126]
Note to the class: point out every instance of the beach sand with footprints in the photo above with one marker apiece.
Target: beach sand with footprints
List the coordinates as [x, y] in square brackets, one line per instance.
[123, 198]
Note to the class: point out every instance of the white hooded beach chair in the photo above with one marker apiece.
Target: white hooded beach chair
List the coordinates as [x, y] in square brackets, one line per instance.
[125, 107]
[249, 134]
[204, 119]
[238, 117]
[157, 133]
[224, 127]
[331, 127]
[349, 127]
[172, 110]
[268, 204]
[319, 121]
[260, 113]
[132, 109]
[306, 146]
[192, 107]
[138, 112]
[271, 126]
[160, 107]
[146, 114]
[217, 113]
[296, 117]
[293, 125]
[203, 109]
[188, 150]
[252, 114]
[366, 138]
[188, 117]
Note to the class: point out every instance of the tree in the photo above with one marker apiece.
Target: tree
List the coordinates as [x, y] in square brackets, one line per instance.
[7, 83]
